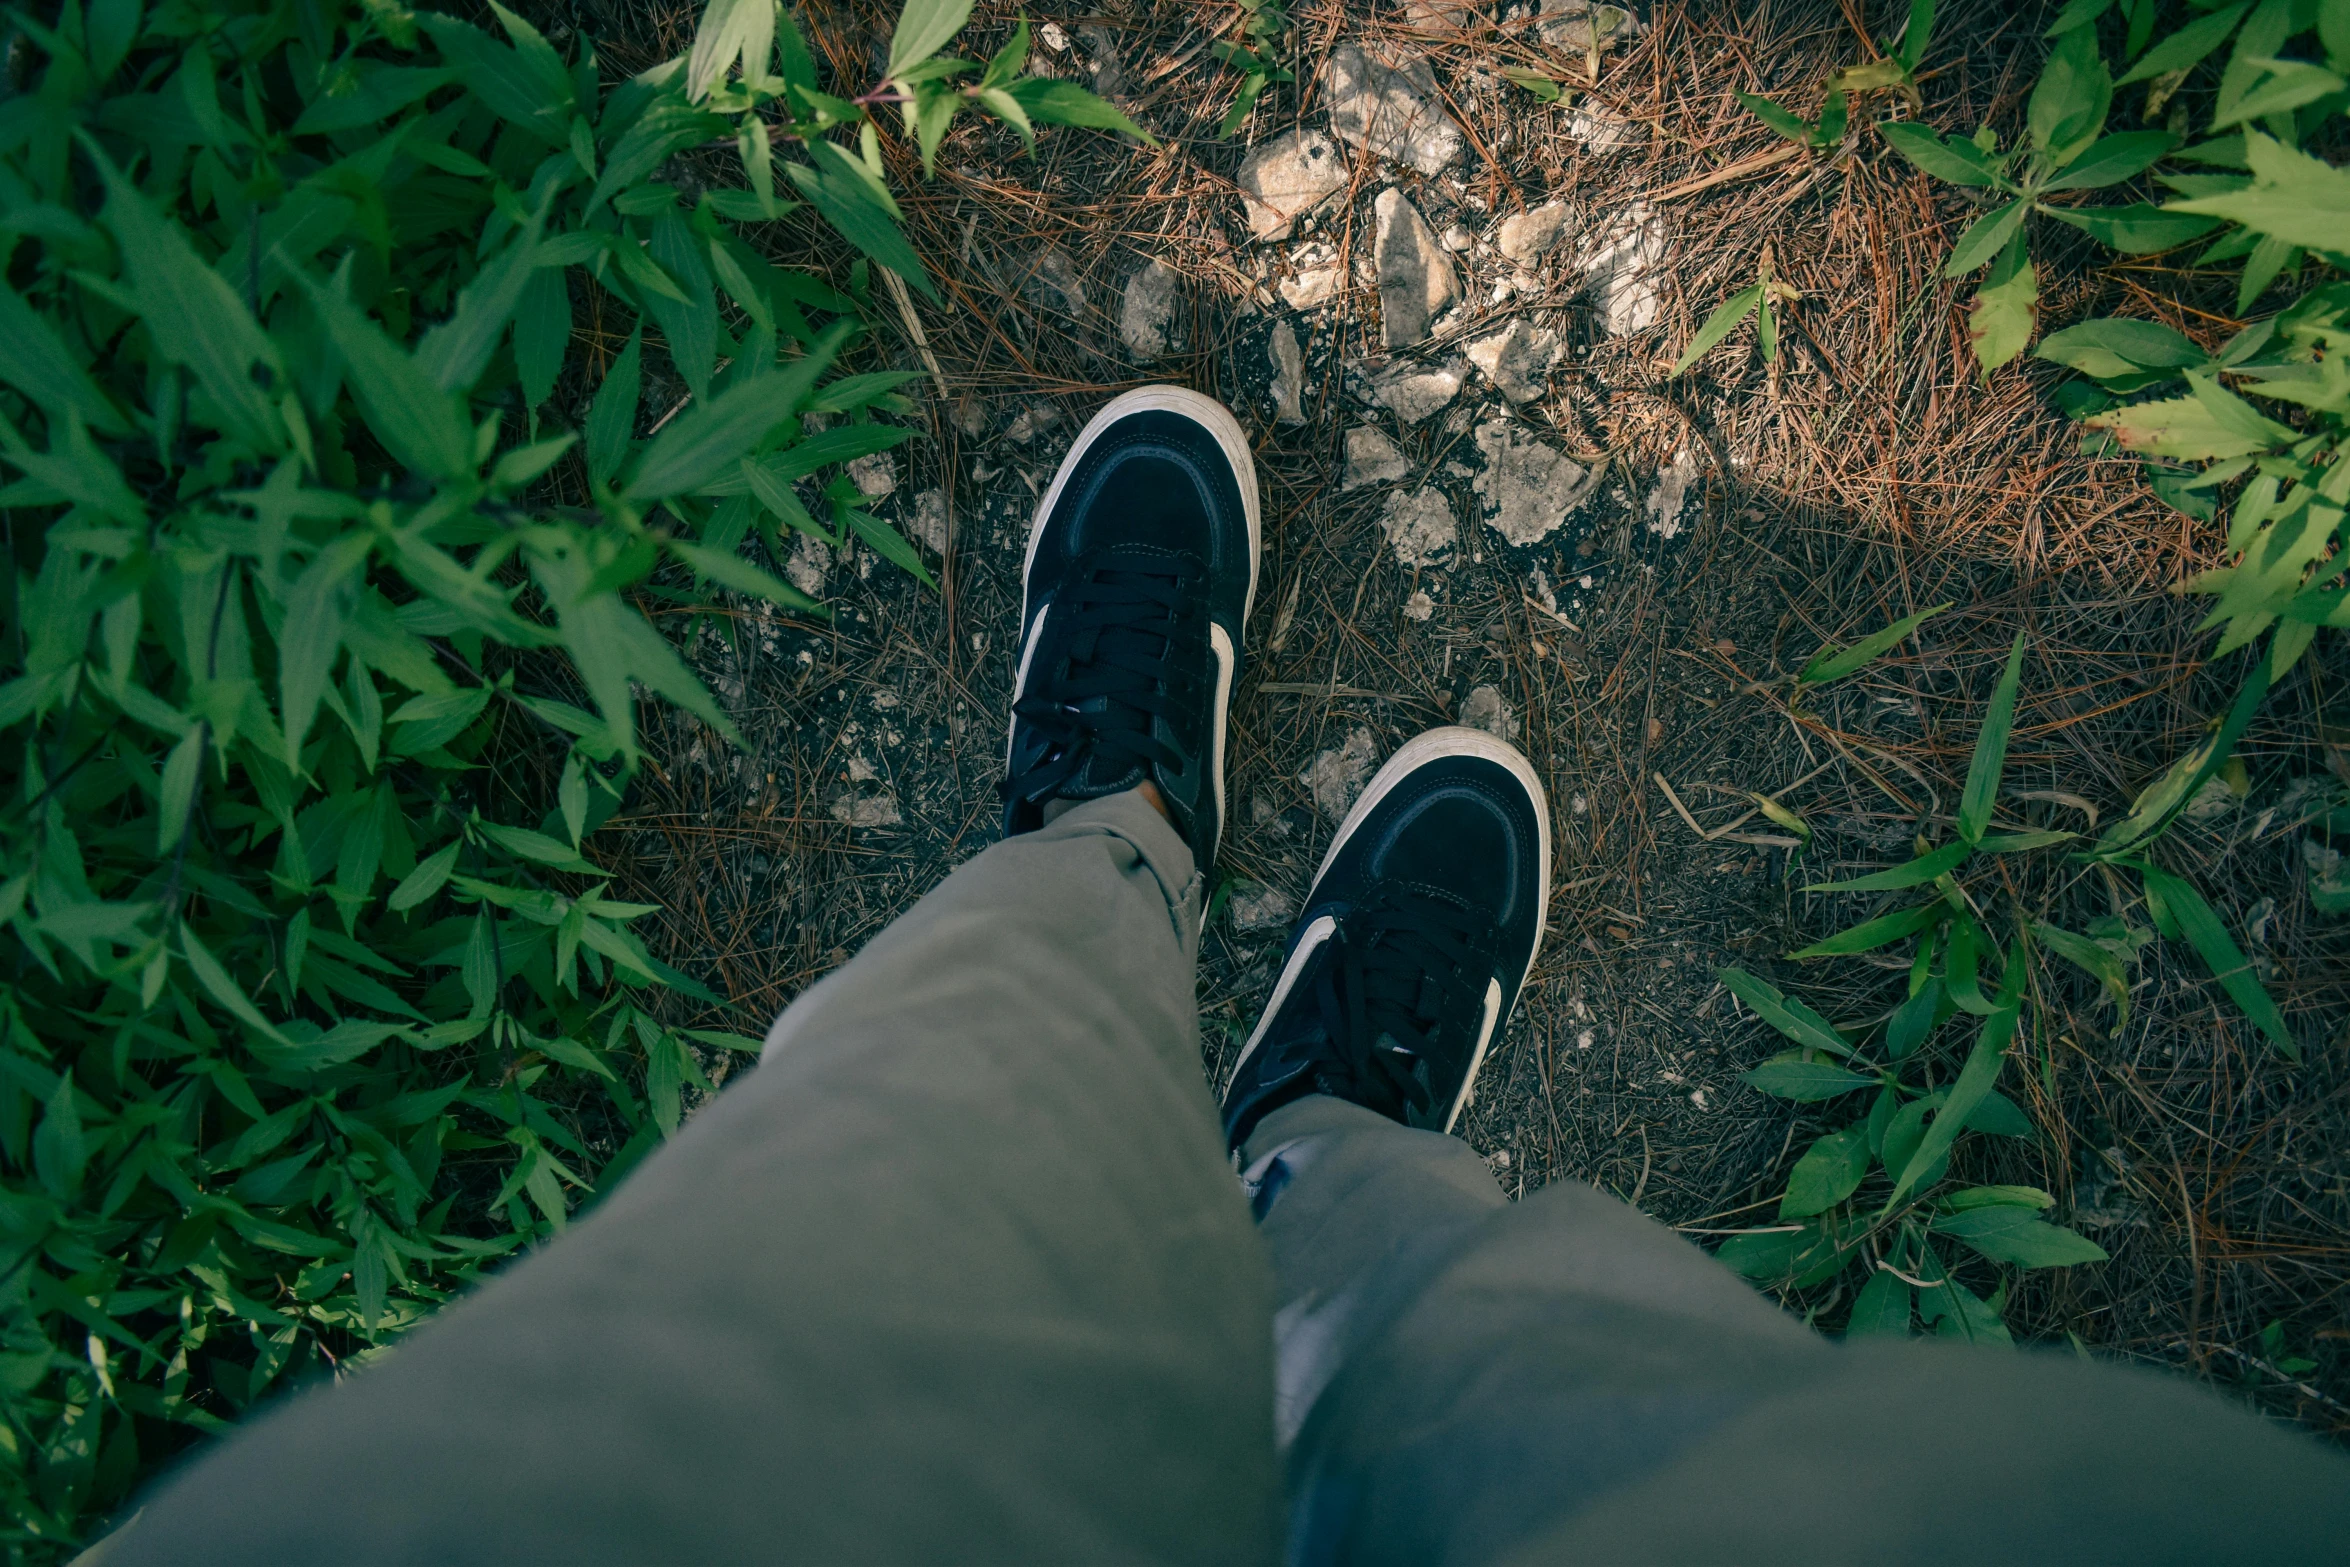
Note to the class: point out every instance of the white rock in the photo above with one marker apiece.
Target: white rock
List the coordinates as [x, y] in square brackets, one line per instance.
[1456, 239]
[1671, 494]
[1526, 236]
[1032, 422]
[1528, 487]
[1371, 458]
[1253, 907]
[1416, 278]
[867, 810]
[1621, 264]
[1577, 25]
[1288, 177]
[1484, 709]
[1419, 606]
[930, 520]
[1391, 111]
[1316, 276]
[1413, 392]
[1517, 360]
[1337, 776]
[1053, 282]
[1601, 130]
[1148, 310]
[1441, 15]
[1289, 375]
[1054, 38]
[1420, 525]
[875, 475]
[810, 564]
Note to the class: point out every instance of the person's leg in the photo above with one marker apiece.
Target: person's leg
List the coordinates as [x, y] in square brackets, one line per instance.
[957, 1274]
[1461, 1379]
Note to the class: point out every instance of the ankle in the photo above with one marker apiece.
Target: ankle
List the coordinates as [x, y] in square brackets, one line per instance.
[1146, 791]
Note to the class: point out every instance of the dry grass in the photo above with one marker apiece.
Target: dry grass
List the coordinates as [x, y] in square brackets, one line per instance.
[1874, 476]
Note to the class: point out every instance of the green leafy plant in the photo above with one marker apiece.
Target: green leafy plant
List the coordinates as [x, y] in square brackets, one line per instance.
[1256, 54]
[1836, 1213]
[1812, 135]
[1759, 301]
[1894, 68]
[318, 1001]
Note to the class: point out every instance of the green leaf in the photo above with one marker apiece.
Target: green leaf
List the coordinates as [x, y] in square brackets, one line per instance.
[841, 193]
[1956, 162]
[2069, 103]
[734, 572]
[730, 30]
[1953, 1310]
[612, 416]
[714, 436]
[2087, 955]
[2110, 349]
[311, 636]
[2135, 230]
[2184, 907]
[542, 333]
[527, 88]
[1805, 1082]
[1881, 1309]
[1985, 238]
[1719, 325]
[2293, 197]
[1830, 663]
[1912, 1021]
[1829, 1171]
[2077, 13]
[191, 314]
[2187, 46]
[1872, 934]
[35, 362]
[2005, 309]
[1542, 87]
[2026, 1197]
[1051, 102]
[182, 773]
[2015, 1235]
[1990, 758]
[2111, 159]
[428, 877]
[417, 421]
[223, 989]
[1788, 125]
[454, 353]
[1917, 872]
[1975, 1080]
[924, 27]
[1784, 1013]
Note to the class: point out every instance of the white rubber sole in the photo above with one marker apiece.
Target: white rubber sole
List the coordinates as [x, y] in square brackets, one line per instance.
[1217, 420]
[1432, 745]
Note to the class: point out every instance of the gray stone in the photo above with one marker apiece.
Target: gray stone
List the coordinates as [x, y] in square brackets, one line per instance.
[1286, 178]
[1254, 907]
[1315, 279]
[1337, 776]
[1413, 392]
[1289, 375]
[1528, 487]
[1032, 422]
[1517, 360]
[1673, 482]
[1526, 236]
[1419, 606]
[1484, 709]
[867, 810]
[930, 520]
[1441, 16]
[1371, 458]
[1053, 282]
[1416, 278]
[1601, 130]
[810, 564]
[1148, 310]
[1419, 524]
[1389, 110]
[1456, 239]
[1621, 265]
[1578, 26]
[875, 475]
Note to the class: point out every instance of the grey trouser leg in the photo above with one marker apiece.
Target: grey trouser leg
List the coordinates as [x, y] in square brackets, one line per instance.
[956, 1275]
[1466, 1380]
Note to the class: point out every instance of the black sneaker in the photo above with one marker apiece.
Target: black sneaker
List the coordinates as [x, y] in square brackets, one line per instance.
[1141, 569]
[1419, 931]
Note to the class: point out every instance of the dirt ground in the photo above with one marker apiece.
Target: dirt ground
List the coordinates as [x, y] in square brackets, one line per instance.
[1634, 653]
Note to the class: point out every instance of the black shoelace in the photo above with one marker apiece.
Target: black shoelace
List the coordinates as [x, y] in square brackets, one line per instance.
[1128, 636]
[1404, 983]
